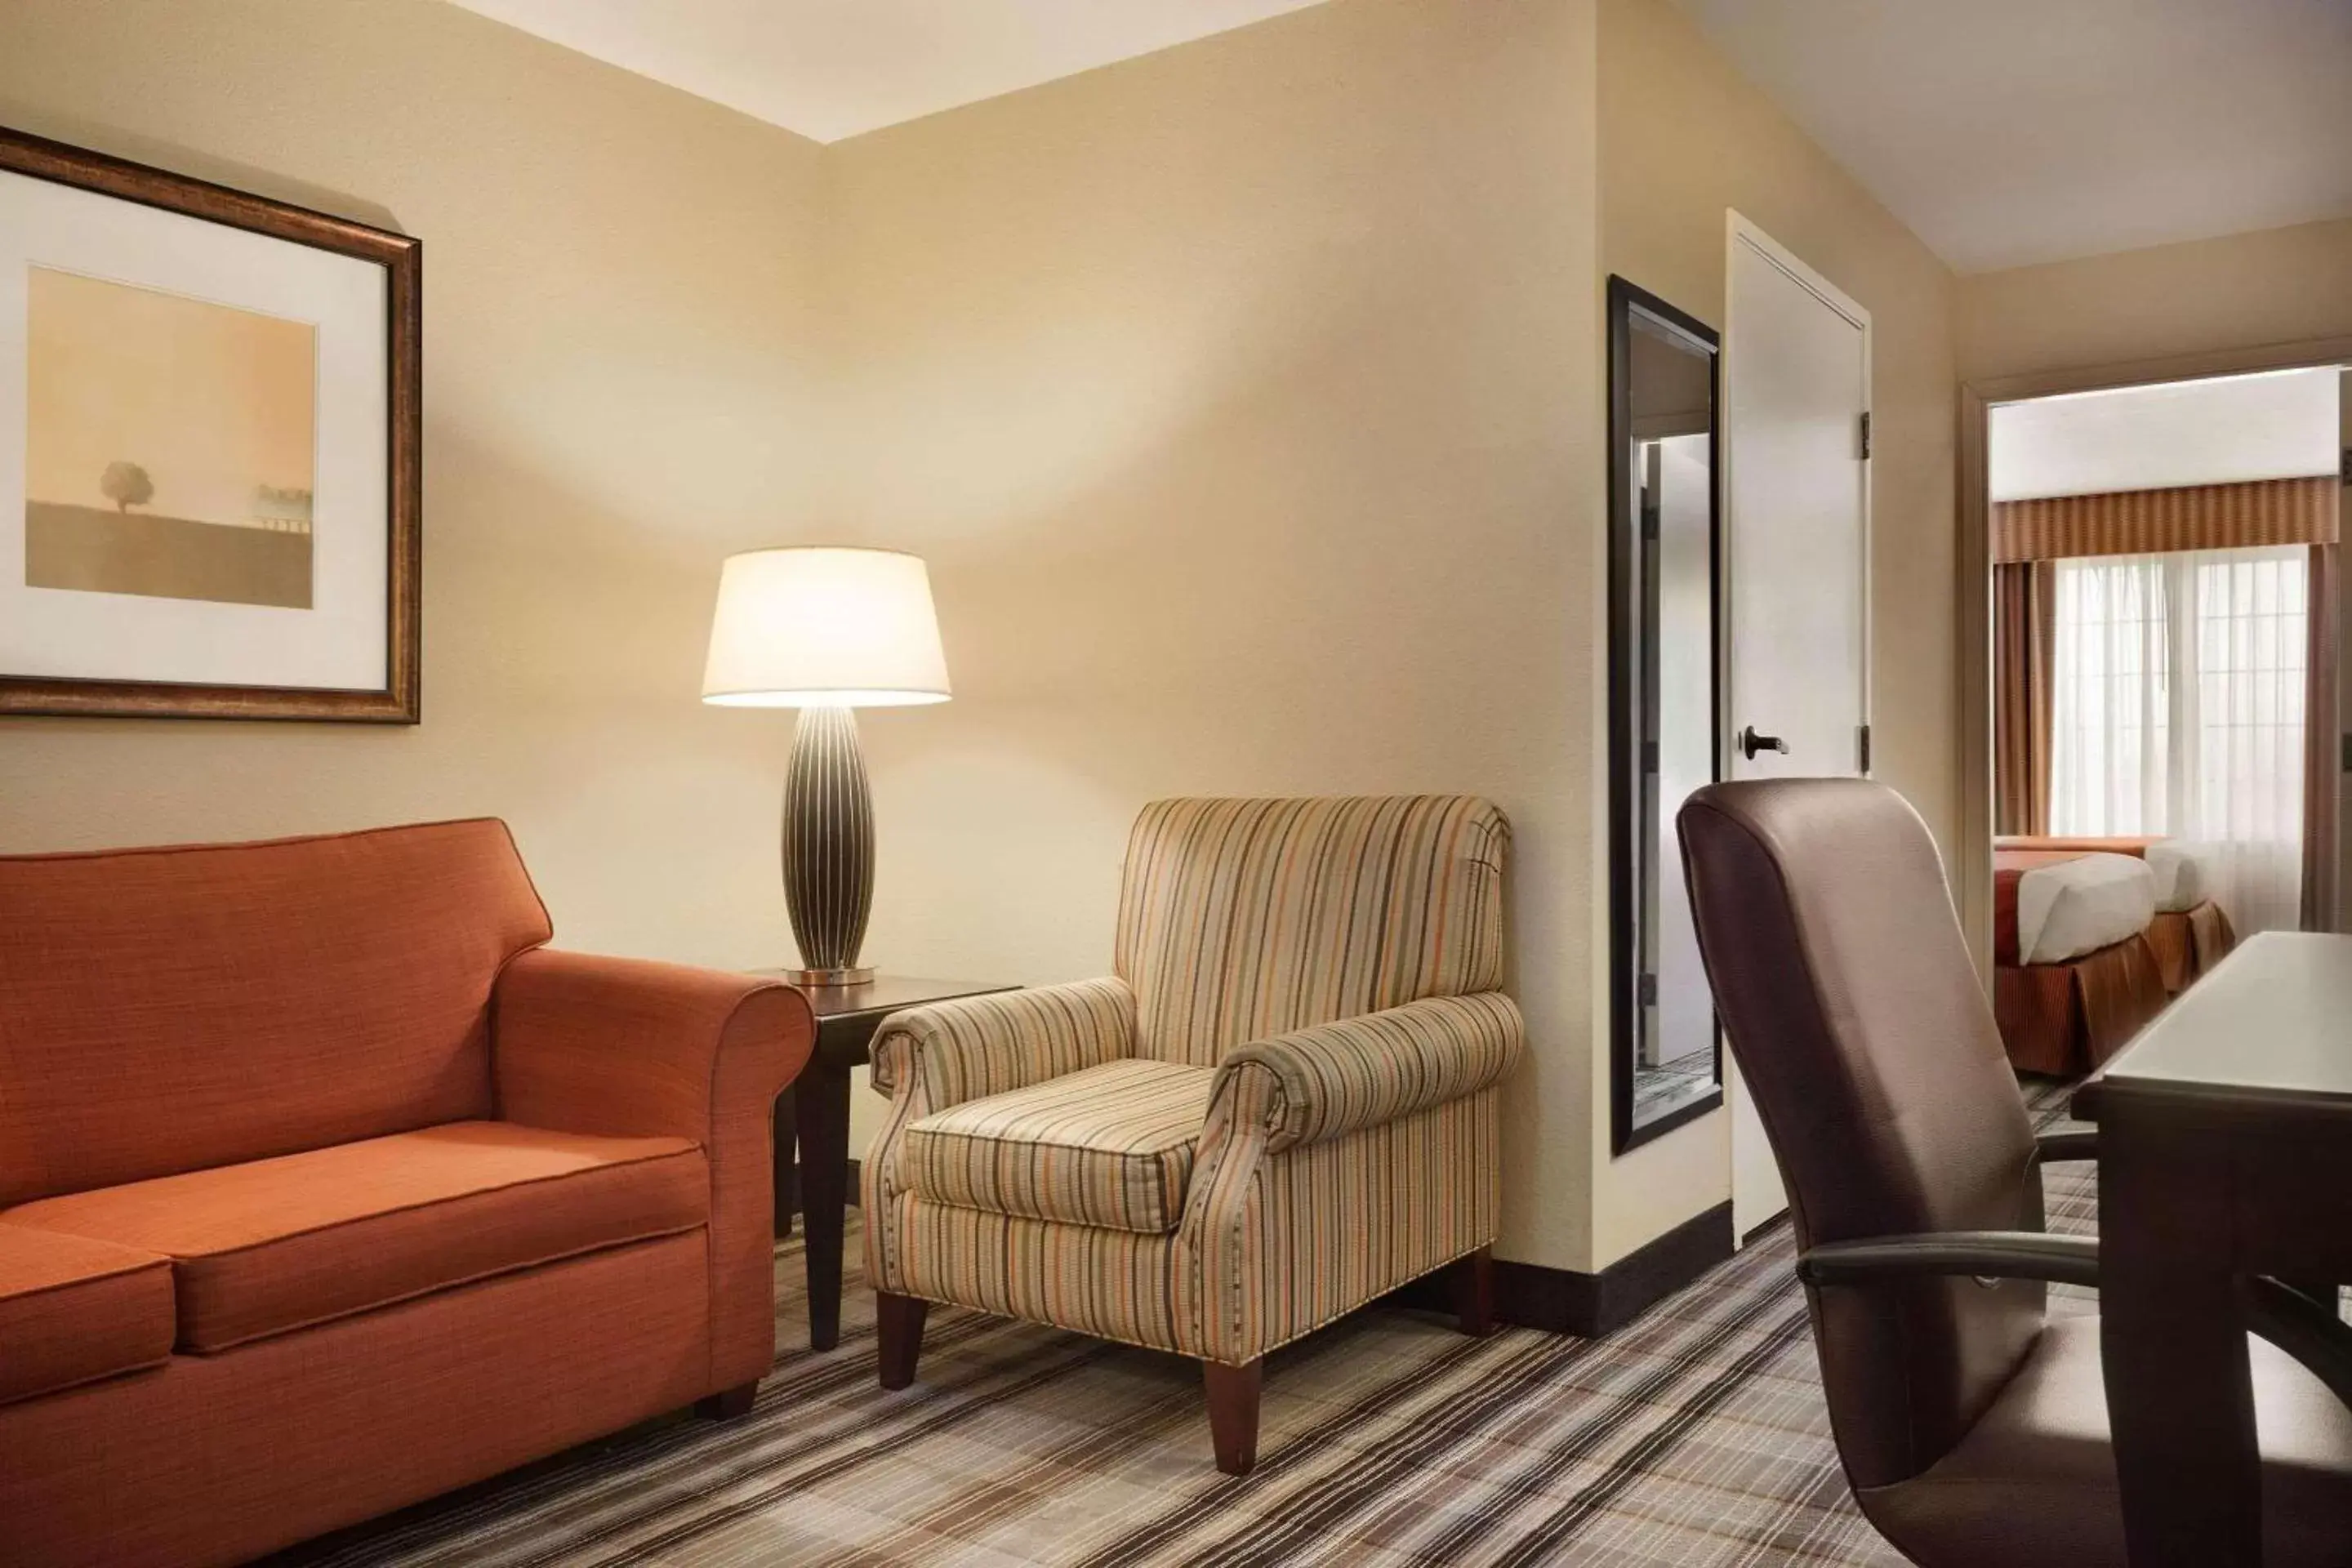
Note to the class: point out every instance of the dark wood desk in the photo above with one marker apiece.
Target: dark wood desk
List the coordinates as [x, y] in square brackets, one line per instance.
[2225, 1151]
[816, 1110]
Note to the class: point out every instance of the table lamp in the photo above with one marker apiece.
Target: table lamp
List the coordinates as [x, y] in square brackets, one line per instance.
[825, 631]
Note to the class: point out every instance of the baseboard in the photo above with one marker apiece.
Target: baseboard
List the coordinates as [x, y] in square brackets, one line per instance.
[1563, 1302]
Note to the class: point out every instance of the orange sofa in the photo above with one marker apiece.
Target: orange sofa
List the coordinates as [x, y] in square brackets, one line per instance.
[324, 1188]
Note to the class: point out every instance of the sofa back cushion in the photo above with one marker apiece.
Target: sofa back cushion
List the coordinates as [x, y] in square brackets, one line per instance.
[173, 1009]
[1245, 918]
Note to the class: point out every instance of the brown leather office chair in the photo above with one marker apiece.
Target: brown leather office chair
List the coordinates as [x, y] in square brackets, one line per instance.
[1973, 1427]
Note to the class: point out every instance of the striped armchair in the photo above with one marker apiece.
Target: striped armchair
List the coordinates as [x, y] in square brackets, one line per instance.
[1281, 1106]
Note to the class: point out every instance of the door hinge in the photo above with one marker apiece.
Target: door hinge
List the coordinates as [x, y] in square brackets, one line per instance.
[1649, 756]
[2346, 472]
[1861, 747]
[1645, 991]
[1865, 436]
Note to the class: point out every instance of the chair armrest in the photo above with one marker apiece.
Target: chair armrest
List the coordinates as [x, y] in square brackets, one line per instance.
[928, 1058]
[2052, 1148]
[949, 1052]
[621, 1045]
[1331, 1079]
[2311, 1331]
[1981, 1254]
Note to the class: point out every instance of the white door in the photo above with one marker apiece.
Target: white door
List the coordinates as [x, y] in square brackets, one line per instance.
[1796, 398]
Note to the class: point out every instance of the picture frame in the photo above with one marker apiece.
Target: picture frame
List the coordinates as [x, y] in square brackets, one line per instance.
[211, 426]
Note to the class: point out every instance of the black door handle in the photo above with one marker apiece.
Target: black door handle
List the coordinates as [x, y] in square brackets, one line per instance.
[1750, 742]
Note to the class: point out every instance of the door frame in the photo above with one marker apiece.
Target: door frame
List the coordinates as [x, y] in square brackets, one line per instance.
[1972, 878]
[1738, 230]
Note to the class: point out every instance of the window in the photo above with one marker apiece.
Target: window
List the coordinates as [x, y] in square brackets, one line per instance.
[2177, 709]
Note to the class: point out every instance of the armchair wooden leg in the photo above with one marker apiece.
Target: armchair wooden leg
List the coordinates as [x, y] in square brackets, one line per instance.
[1473, 1292]
[727, 1403]
[1233, 1413]
[898, 1335]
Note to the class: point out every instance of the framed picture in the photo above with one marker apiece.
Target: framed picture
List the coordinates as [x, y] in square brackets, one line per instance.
[209, 433]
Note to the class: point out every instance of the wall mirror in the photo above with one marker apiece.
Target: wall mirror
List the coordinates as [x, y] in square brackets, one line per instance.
[1665, 712]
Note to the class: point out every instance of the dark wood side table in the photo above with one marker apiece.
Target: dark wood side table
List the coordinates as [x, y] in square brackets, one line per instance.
[816, 1110]
[2225, 1151]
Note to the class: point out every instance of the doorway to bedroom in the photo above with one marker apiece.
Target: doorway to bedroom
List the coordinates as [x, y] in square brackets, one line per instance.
[2166, 604]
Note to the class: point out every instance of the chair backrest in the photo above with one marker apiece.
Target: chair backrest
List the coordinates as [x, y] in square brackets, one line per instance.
[1863, 1034]
[173, 1009]
[1243, 918]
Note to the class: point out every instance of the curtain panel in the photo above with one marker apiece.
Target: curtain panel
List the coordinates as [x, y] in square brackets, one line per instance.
[2320, 728]
[2149, 522]
[2179, 689]
[2024, 611]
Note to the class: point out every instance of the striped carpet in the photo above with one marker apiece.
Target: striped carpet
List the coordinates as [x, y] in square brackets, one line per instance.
[1695, 1436]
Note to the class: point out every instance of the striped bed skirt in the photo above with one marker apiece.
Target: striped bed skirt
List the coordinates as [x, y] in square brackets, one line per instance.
[2064, 1020]
[2187, 942]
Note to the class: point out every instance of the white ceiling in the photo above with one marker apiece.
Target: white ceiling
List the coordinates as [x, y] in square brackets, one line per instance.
[832, 69]
[2273, 426]
[2010, 131]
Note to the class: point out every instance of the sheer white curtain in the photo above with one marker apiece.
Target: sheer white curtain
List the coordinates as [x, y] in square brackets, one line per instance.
[2177, 709]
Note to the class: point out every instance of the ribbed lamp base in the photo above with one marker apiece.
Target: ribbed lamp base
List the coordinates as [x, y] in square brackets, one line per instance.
[828, 847]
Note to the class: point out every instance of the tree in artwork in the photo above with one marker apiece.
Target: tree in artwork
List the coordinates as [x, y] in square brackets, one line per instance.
[126, 485]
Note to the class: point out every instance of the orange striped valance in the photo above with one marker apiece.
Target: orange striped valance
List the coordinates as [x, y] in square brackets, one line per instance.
[2191, 517]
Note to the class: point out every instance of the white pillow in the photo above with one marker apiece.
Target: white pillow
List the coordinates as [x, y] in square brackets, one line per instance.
[2184, 873]
[2081, 905]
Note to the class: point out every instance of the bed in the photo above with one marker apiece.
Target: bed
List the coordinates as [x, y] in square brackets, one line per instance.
[2074, 975]
[2189, 932]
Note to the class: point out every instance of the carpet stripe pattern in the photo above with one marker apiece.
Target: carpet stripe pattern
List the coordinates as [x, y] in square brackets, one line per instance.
[1694, 1436]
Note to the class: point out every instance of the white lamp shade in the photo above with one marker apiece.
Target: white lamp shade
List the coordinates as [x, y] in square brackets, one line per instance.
[825, 628]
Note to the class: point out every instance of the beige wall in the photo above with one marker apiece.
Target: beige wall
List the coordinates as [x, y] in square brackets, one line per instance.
[2242, 291]
[617, 392]
[1684, 137]
[1244, 399]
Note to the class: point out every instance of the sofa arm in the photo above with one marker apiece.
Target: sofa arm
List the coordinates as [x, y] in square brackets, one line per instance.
[950, 1052]
[1331, 1079]
[622, 1046]
[626, 1047]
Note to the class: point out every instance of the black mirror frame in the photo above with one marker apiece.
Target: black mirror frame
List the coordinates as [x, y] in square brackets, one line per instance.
[1625, 952]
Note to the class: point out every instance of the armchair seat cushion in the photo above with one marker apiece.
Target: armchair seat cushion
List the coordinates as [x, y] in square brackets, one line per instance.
[73, 1311]
[275, 1244]
[1109, 1146]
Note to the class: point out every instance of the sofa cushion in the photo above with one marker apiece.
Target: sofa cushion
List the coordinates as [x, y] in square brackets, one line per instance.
[73, 1311]
[274, 1245]
[1109, 1145]
[167, 1010]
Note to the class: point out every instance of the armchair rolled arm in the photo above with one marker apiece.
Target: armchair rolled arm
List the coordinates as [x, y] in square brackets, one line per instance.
[978, 1046]
[1331, 1079]
[626, 1046]
[2053, 1148]
[1981, 1254]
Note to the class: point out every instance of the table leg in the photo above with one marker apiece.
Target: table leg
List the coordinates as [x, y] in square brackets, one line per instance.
[784, 1141]
[2172, 1326]
[821, 1120]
